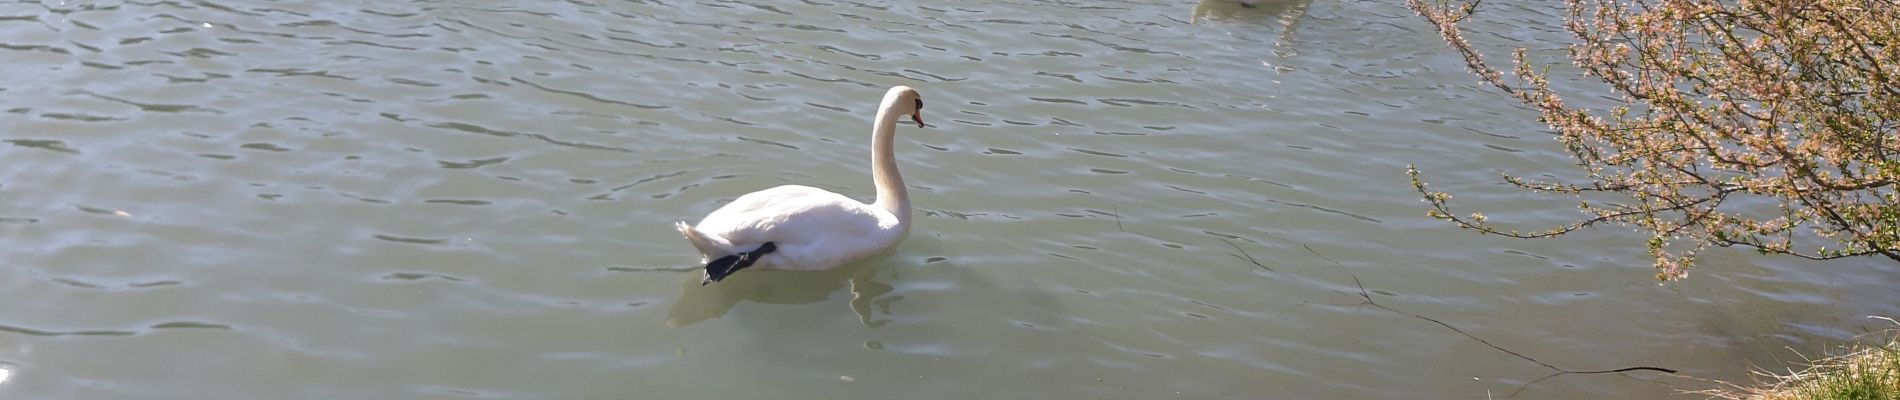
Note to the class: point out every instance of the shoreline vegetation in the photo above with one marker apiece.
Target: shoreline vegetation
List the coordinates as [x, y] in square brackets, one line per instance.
[1867, 371]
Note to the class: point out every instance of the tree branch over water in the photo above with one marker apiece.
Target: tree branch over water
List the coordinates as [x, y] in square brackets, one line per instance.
[1764, 124]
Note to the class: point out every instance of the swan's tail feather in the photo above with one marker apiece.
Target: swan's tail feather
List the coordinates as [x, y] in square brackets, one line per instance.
[699, 240]
[717, 270]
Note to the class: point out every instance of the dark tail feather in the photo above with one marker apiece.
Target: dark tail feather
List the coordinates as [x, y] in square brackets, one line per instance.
[717, 270]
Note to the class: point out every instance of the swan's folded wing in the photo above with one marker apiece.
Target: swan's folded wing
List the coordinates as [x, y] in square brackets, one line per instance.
[790, 213]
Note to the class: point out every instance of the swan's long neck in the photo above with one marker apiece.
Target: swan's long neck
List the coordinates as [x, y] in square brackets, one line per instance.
[891, 195]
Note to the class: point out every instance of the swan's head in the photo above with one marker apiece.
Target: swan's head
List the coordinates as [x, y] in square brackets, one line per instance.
[905, 101]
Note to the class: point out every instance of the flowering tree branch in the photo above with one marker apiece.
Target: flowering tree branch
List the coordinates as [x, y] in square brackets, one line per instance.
[1766, 124]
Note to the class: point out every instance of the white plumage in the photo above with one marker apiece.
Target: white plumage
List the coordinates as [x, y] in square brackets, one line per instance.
[811, 228]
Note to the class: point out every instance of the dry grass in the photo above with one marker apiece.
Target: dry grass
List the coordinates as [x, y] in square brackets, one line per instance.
[1869, 372]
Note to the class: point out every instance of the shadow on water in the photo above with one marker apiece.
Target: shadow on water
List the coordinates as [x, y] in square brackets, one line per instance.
[703, 302]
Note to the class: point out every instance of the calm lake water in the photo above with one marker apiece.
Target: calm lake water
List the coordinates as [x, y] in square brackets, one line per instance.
[449, 199]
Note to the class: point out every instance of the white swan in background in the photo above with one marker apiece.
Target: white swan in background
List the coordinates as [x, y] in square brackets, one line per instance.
[800, 227]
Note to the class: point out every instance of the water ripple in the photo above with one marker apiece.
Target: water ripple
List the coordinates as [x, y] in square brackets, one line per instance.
[52, 145]
[427, 186]
[408, 240]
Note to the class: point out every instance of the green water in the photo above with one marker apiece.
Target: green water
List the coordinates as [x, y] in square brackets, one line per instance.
[435, 199]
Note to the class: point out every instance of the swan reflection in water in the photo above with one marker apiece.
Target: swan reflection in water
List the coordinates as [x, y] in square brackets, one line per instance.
[703, 302]
[1287, 12]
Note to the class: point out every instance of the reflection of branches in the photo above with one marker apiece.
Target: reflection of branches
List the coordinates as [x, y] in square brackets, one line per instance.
[1366, 299]
[1243, 253]
[1289, 12]
[1118, 218]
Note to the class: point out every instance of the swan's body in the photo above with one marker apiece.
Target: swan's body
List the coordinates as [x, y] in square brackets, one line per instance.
[800, 227]
[812, 228]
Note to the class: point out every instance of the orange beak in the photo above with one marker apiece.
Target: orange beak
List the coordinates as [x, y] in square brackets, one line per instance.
[919, 117]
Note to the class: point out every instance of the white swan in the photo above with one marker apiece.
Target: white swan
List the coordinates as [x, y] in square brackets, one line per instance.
[805, 228]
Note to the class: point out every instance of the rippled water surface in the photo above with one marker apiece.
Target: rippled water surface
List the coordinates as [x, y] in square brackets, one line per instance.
[436, 199]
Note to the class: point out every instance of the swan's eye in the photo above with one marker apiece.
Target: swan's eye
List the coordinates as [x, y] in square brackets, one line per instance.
[920, 104]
